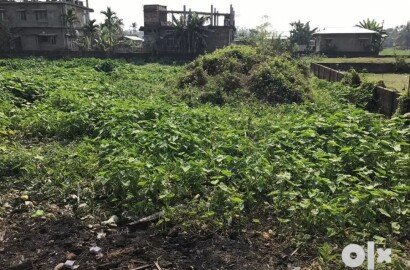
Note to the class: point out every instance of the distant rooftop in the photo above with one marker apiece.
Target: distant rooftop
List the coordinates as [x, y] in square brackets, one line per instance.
[345, 30]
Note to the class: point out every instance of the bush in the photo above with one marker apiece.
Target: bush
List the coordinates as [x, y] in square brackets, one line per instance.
[279, 81]
[400, 64]
[195, 77]
[229, 82]
[352, 78]
[271, 79]
[107, 66]
[404, 104]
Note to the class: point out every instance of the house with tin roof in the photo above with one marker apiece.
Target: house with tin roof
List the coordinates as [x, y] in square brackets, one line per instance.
[352, 41]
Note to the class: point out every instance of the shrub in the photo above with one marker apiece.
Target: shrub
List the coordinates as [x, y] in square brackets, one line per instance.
[239, 59]
[107, 66]
[271, 79]
[403, 104]
[400, 64]
[278, 81]
[352, 78]
[195, 77]
[216, 97]
[228, 81]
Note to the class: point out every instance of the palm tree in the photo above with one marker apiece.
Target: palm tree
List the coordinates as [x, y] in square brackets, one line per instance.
[90, 31]
[111, 29]
[190, 33]
[134, 28]
[403, 38]
[71, 19]
[377, 42]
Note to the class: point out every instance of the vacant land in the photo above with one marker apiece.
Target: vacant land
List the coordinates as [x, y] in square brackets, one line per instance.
[374, 60]
[399, 82]
[392, 52]
[245, 184]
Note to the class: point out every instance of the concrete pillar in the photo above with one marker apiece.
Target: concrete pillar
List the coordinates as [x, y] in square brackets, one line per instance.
[212, 15]
[185, 13]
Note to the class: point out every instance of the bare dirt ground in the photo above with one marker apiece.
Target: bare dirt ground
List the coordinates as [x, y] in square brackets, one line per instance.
[46, 242]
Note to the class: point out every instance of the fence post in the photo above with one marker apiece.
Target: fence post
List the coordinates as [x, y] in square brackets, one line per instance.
[408, 87]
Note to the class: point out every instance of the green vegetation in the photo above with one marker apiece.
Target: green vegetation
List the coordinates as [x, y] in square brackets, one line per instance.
[377, 41]
[316, 171]
[241, 73]
[392, 52]
[398, 82]
[381, 60]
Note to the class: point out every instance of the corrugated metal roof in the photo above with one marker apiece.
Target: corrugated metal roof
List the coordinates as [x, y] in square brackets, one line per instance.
[135, 38]
[345, 30]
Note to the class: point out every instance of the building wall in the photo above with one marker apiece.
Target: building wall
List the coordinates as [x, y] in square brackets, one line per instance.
[26, 32]
[354, 43]
[219, 37]
[158, 33]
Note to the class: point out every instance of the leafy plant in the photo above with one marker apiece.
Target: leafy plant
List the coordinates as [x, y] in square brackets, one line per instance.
[352, 78]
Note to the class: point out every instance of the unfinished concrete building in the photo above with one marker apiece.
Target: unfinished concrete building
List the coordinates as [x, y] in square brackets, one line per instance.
[41, 25]
[159, 30]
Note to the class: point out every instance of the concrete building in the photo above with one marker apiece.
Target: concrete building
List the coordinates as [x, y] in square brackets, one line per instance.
[159, 31]
[345, 41]
[40, 25]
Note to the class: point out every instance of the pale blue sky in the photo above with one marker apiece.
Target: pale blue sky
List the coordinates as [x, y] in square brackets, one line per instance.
[321, 13]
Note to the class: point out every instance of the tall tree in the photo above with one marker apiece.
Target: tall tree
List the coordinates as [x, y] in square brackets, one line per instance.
[301, 33]
[71, 19]
[134, 27]
[91, 31]
[377, 42]
[191, 33]
[111, 29]
[403, 39]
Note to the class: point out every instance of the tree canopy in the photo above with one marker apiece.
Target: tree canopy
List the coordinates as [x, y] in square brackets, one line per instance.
[301, 33]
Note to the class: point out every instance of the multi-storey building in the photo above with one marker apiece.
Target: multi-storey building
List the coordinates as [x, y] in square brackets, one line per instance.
[42, 25]
[159, 31]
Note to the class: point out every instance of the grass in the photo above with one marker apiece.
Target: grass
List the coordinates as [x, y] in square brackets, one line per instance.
[373, 60]
[393, 51]
[399, 82]
[124, 136]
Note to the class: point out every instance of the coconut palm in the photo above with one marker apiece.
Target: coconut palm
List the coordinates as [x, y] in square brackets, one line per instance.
[134, 28]
[71, 19]
[90, 31]
[191, 33]
[111, 29]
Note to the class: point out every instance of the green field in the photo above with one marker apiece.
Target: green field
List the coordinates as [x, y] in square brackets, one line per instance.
[399, 82]
[377, 60]
[392, 52]
[126, 138]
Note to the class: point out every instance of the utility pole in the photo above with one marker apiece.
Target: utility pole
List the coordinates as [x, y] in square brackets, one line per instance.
[408, 87]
